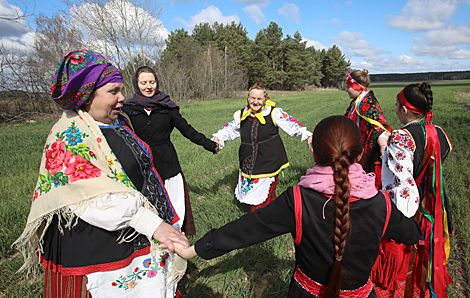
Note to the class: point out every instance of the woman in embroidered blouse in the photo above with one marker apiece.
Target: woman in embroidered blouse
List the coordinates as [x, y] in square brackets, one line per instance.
[262, 155]
[98, 204]
[412, 176]
[364, 109]
[335, 194]
[154, 116]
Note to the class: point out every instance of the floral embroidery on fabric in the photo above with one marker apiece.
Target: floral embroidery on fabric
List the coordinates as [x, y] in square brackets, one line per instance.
[248, 184]
[287, 118]
[68, 159]
[402, 140]
[369, 108]
[405, 193]
[150, 270]
[229, 124]
[398, 168]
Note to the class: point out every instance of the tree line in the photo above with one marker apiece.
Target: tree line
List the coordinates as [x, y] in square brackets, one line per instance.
[211, 62]
[420, 77]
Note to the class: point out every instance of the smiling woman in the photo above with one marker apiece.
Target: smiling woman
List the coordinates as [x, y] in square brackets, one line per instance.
[262, 155]
[98, 204]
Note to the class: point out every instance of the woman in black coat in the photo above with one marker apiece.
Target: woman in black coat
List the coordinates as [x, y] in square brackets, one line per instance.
[154, 115]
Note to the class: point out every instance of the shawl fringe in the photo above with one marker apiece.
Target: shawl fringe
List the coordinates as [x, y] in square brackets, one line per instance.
[30, 243]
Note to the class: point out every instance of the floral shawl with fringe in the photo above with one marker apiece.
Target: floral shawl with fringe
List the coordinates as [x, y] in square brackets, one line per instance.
[77, 166]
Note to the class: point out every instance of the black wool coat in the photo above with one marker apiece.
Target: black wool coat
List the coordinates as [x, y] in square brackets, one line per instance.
[155, 130]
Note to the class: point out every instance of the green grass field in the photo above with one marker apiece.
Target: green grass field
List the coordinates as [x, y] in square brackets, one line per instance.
[263, 270]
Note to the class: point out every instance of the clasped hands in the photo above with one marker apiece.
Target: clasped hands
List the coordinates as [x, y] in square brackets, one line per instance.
[174, 240]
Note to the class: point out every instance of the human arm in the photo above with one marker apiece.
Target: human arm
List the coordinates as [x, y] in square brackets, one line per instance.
[401, 228]
[273, 220]
[190, 133]
[184, 251]
[114, 212]
[291, 125]
[229, 131]
[382, 142]
[397, 172]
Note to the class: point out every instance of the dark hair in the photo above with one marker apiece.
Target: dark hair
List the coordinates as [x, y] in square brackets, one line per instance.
[142, 69]
[419, 96]
[337, 143]
[361, 76]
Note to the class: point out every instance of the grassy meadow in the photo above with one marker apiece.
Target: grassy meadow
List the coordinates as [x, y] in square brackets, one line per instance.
[263, 270]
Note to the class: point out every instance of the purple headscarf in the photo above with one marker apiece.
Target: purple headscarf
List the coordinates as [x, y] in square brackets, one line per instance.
[78, 75]
[159, 98]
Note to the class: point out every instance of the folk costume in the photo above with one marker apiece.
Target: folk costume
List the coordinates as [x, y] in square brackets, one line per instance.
[365, 111]
[412, 176]
[307, 212]
[153, 119]
[262, 154]
[92, 217]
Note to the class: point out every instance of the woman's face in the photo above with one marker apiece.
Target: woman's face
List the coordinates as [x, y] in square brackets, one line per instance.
[400, 111]
[106, 102]
[147, 84]
[256, 99]
[353, 94]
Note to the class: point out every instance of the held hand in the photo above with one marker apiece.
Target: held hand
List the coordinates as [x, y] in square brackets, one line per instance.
[382, 150]
[169, 236]
[185, 252]
[309, 141]
[382, 142]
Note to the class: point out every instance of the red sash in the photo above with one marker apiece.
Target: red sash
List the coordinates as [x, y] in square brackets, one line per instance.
[319, 290]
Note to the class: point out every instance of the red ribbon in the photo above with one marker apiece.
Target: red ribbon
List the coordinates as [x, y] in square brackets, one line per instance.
[352, 83]
[434, 149]
[402, 99]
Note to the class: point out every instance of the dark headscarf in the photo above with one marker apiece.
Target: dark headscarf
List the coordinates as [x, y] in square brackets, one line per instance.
[78, 75]
[159, 98]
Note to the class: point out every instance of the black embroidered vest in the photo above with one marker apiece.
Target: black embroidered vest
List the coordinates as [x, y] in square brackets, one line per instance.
[262, 152]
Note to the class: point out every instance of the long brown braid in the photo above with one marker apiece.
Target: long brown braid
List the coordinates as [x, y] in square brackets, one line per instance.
[337, 143]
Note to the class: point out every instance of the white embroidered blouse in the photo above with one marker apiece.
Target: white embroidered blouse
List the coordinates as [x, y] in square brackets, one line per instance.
[397, 172]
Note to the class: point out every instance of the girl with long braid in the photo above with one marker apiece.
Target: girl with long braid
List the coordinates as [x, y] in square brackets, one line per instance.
[335, 215]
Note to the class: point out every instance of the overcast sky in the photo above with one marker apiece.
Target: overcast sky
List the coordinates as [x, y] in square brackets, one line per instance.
[396, 36]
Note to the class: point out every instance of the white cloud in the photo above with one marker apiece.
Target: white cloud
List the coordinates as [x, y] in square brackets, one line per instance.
[9, 28]
[460, 54]
[316, 44]
[361, 65]
[452, 35]
[443, 42]
[260, 3]
[448, 66]
[402, 63]
[348, 3]
[255, 13]
[290, 10]
[419, 15]
[23, 43]
[337, 6]
[122, 14]
[355, 45]
[210, 15]
[14, 34]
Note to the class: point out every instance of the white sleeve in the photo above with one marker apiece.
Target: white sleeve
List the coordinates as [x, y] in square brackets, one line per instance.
[289, 124]
[113, 212]
[230, 130]
[397, 172]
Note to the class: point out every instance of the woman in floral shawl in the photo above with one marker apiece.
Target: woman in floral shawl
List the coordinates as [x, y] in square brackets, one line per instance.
[364, 109]
[99, 206]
